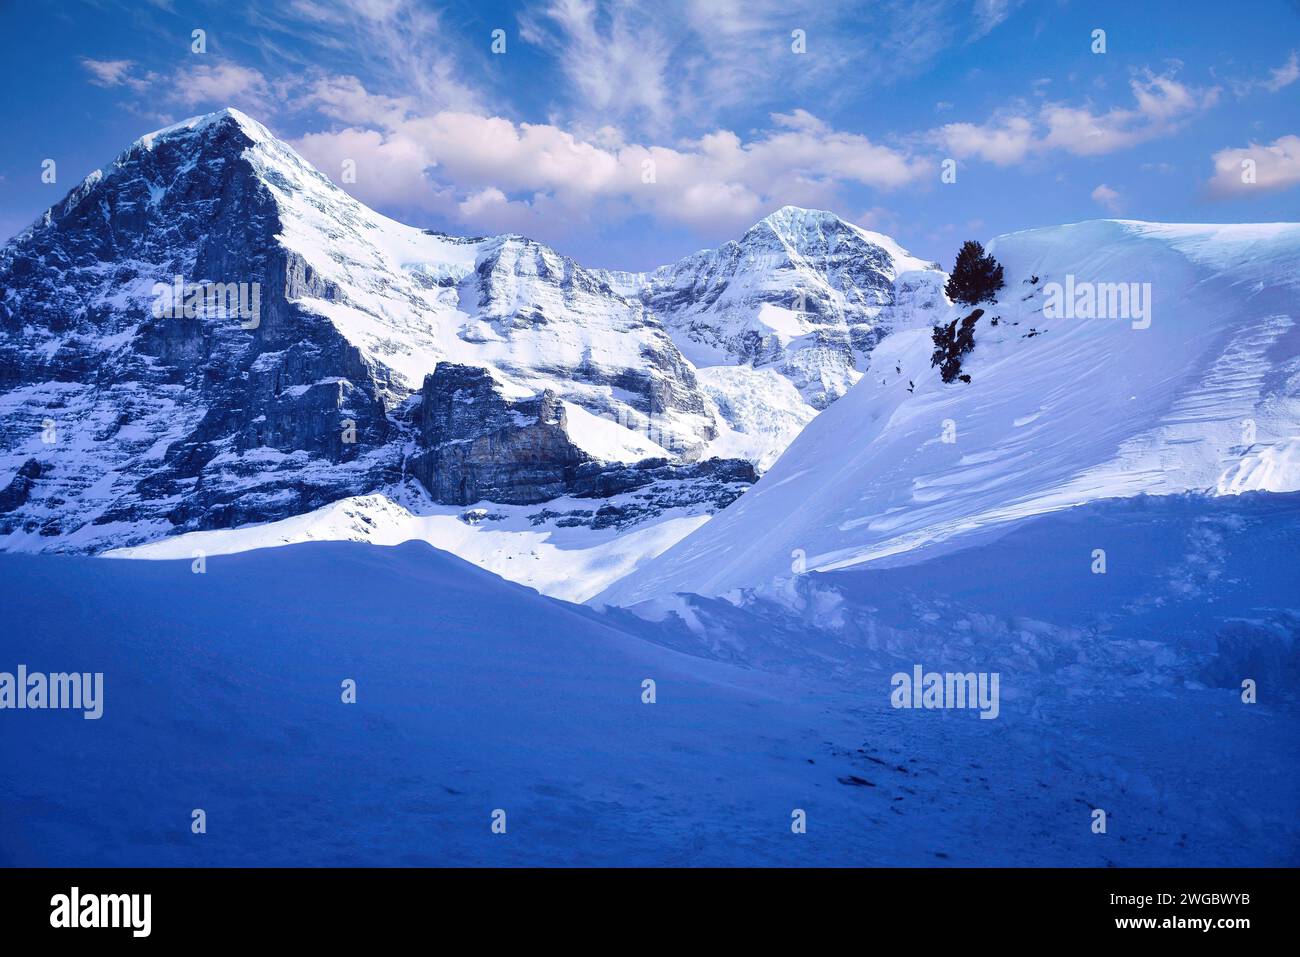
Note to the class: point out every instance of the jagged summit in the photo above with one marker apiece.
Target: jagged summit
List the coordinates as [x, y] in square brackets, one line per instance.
[792, 310]
[204, 121]
[789, 220]
[801, 227]
[173, 157]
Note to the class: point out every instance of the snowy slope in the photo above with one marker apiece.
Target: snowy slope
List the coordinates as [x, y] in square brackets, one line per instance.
[551, 548]
[222, 692]
[1059, 411]
[1125, 684]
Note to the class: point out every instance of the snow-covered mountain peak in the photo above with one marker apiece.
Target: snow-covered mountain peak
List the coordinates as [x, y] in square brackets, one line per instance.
[790, 221]
[213, 137]
[806, 231]
[782, 322]
[197, 125]
[184, 160]
[800, 231]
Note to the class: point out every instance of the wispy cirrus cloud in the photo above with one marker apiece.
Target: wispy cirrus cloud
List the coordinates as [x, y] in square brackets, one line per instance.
[111, 73]
[675, 68]
[107, 72]
[401, 45]
[1278, 78]
[616, 59]
[1284, 75]
[196, 83]
[990, 13]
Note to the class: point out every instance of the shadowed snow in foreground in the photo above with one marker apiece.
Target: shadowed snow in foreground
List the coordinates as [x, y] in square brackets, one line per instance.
[222, 691]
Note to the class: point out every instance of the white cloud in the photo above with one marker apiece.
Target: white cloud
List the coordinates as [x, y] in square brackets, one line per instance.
[390, 172]
[491, 210]
[344, 98]
[1275, 166]
[1279, 78]
[111, 73]
[1284, 75]
[219, 84]
[107, 72]
[1107, 198]
[1161, 105]
[1002, 142]
[502, 172]
[204, 83]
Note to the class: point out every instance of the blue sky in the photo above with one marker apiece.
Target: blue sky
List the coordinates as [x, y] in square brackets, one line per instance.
[556, 136]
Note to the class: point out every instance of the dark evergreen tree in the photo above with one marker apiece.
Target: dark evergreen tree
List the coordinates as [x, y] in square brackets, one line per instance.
[951, 342]
[976, 277]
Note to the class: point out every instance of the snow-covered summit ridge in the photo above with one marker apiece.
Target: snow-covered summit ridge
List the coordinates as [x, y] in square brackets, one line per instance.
[198, 124]
[795, 225]
[796, 304]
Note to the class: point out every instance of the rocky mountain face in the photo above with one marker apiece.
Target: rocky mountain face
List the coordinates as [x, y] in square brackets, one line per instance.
[192, 419]
[207, 333]
[480, 445]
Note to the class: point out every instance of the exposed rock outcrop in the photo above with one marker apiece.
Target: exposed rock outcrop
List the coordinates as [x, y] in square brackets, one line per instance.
[16, 492]
[478, 445]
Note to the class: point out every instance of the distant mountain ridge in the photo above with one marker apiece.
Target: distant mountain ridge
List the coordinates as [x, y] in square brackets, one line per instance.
[119, 426]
